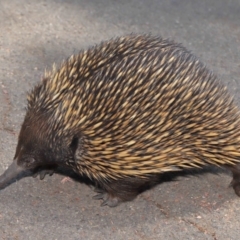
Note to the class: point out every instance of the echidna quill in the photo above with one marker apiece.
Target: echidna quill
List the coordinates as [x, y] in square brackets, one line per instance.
[125, 111]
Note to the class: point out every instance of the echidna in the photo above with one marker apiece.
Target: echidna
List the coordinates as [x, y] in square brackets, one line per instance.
[125, 111]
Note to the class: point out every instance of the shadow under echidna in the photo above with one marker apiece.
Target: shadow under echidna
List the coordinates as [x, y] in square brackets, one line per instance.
[124, 112]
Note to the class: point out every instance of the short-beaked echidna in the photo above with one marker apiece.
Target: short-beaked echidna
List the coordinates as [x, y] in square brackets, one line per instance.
[125, 111]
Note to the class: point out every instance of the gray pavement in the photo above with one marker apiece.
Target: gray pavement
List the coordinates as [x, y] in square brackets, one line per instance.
[33, 35]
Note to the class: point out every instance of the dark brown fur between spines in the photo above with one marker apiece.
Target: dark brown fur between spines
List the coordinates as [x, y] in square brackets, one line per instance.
[132, 108]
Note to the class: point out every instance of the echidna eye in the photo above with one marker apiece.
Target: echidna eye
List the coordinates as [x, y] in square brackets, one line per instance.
[29, 161]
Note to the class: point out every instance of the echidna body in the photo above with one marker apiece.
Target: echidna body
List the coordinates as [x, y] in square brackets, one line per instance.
[125, 111]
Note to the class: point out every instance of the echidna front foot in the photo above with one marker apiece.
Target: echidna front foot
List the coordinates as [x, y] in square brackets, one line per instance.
[43, 172]
[108, 199]
[126, 189]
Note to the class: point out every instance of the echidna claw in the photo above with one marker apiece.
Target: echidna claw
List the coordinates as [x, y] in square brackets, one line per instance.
[108, 200]
[100, 196]
[43, 173]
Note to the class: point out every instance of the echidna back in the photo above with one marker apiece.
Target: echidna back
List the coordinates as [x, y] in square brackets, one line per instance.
[143, 105]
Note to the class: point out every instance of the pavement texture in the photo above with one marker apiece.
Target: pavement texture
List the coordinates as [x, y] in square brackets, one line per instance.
[33, 35]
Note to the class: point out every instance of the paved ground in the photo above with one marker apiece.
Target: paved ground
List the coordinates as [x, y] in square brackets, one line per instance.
[33, 35]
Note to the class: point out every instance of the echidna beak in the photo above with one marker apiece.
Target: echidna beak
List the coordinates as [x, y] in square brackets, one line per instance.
[10, 174]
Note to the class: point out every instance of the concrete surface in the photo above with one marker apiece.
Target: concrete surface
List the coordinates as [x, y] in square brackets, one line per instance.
[33, 35]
